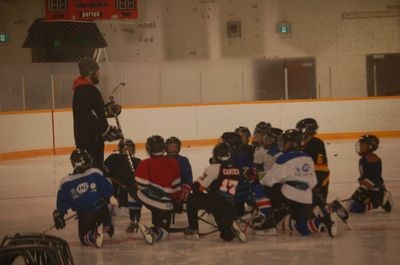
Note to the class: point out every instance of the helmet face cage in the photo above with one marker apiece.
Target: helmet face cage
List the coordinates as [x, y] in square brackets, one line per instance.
[126, 146]
[234, 140]
[173, 145]
[243, 130]
[370, 140]
[81, 160]
[262, 127]
[308, 127]
[155, 145]
[290, 136]
[222, 153]
[273, 135]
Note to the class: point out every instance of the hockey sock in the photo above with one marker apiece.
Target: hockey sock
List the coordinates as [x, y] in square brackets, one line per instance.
[359, 207]
[134, 214]
[287, 224]
[307, 227]
[264, 205]
[89, 238]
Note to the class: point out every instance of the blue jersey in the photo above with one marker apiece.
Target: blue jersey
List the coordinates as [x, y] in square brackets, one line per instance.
[243, 161]
[371, 168]
[273, 150]
[185, 169]
[83, 192]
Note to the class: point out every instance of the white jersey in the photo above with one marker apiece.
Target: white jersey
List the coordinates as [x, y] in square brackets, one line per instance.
[260, 156]
[265, 158]
[272, 154]
[210, 174]
[296, 171]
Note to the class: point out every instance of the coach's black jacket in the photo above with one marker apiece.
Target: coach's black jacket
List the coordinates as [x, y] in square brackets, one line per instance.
[88, 107]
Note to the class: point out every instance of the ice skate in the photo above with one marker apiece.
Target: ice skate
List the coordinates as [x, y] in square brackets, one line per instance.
[387, 201]
[98, 237]
[192, 234]
[132, 227]
[238, 233]
[147, 234]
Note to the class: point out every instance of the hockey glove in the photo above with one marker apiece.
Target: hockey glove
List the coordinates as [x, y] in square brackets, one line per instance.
[185, 191]
[112, 109]
[250, 173]
[112, 134]
[258, 221]
[59, 222]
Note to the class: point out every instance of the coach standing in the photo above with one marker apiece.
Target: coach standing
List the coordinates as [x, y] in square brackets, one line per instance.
[91, 128]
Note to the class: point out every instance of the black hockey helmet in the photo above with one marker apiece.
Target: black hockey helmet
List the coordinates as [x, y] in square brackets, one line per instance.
[371, 140]
[87, 66]
[273, 135]
[262, 127]
[308, 127]
[170, 145]
[81, 160]
[243, 130]
[222, 153]
[234, 140]
[291, 136]
[126, 145]
[155, 145]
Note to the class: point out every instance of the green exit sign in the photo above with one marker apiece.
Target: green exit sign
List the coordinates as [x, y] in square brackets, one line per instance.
[284, 27]
[4, 37]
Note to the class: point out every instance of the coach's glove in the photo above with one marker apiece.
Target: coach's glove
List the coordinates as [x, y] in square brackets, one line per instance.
[59, 222]
[112, 109]
[112, 134]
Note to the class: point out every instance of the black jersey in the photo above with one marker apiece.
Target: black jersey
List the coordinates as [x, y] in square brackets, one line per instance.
[88, 109]
[249, 149]
[316, 149]
[226, 183]
[119, 169]
[370, 168]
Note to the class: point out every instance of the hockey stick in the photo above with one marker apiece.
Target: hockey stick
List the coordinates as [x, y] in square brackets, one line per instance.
[182, 229]
[111, 100]
[204, 220]
[53, 226]
[115, 90]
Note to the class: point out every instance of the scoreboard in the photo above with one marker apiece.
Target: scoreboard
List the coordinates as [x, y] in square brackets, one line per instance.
[90, 9]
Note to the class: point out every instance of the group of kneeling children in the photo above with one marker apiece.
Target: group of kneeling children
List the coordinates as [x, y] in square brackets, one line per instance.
[280, 180]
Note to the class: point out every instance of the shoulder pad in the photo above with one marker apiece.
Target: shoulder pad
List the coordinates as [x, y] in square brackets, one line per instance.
[372, 158]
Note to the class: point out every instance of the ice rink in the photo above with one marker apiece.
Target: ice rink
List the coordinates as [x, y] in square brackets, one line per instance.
[27, 199]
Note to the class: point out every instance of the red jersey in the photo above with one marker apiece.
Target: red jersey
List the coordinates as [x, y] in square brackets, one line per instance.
[158, 180]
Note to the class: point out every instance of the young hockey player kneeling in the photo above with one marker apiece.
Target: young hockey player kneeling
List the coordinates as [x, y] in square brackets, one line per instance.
[290, 183]
[371, 193]
[87, 192]
[159, 188]
[121, 168]
[214, 192]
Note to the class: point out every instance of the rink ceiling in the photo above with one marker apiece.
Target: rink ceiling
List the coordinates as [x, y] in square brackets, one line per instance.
[29, 186]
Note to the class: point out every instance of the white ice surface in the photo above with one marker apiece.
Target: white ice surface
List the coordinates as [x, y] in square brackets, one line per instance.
[27, 199]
